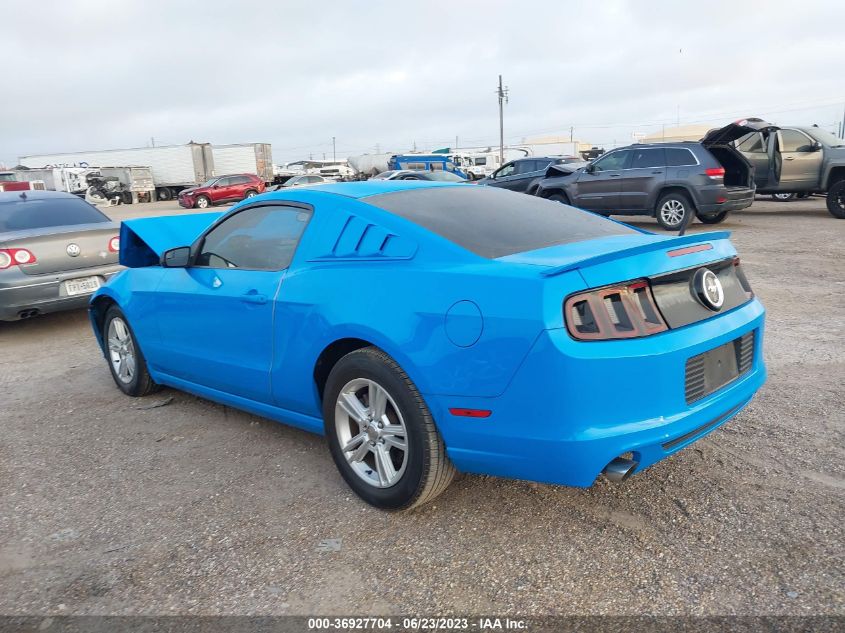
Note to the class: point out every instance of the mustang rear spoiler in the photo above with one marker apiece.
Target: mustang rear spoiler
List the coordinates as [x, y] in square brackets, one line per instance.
[657, 245]
[144, 240]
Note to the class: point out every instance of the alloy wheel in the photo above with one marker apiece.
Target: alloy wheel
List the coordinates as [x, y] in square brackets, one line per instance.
[672, 212]
[371, 433]
[121, 350]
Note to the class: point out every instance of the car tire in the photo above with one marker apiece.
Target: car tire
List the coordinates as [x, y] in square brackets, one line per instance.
[712, 219]
[164, 194]
[559, 197]
[673, 210]
[202, 202]
[783, 197]
[126, 197]
[836, 200]
[250, 193]
[394, 469]
[126, 361]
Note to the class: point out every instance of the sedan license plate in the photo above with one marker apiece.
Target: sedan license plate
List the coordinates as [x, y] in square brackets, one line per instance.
[82, 286]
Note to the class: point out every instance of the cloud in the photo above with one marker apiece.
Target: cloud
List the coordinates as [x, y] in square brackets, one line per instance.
[87, 75]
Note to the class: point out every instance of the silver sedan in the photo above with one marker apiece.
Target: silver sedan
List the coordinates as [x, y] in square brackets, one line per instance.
[55, 250]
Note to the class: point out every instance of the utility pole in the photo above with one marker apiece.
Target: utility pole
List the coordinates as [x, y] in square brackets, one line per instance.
[334, 152]
[456, 141]
[842, 134]
[502, 93]
[152, 141]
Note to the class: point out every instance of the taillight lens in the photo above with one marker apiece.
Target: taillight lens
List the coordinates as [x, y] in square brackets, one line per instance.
[114, 244]
[20, 256]
[715, 172]
[623, 311]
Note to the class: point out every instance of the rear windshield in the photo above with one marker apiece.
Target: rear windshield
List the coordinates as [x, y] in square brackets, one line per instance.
[39, 213]
[492, 222]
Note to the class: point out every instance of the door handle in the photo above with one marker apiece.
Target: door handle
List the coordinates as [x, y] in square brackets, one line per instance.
[657, 172]
[615, 175]
[790, 158]
[253, 297]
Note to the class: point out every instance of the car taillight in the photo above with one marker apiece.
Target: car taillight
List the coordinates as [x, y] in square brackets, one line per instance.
[622, 311]
[114, 244]
[715, 172]
[9, 256]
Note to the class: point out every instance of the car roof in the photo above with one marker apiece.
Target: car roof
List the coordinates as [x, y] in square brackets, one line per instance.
[36, 194]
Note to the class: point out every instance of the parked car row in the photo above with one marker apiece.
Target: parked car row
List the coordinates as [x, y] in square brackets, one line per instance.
[674, 182]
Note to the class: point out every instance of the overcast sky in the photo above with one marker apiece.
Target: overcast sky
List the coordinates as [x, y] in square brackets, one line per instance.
[84, 75]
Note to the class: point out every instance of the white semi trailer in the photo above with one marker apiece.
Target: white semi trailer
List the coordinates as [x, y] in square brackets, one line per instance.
[173, 167]
[244, 158]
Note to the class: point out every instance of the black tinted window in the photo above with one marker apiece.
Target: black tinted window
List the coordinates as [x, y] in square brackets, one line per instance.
[35, 213]
[260, 238]
[652, 157]
[492, 222]
[679, 157]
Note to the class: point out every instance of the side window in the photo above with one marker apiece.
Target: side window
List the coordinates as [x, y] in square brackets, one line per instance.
[259, 238]
[523, 166]
[223, 182]
[653, 157]
[795, 141]
[437, 166]
[751, 143]
[507, 170]
[612, 161]
[679, 157]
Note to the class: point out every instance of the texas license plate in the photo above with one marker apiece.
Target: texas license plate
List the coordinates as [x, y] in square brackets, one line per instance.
[82, 286]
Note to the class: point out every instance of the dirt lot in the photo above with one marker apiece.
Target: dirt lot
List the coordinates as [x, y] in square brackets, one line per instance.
[111, 505]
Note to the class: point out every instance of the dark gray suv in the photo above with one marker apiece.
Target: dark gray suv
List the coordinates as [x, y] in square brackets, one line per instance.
[669, 181]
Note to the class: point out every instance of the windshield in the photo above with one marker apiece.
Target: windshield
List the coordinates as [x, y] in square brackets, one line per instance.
[209, 182]
[39, 213]
[825, 137]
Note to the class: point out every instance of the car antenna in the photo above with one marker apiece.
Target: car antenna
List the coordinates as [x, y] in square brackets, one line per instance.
[23, 195]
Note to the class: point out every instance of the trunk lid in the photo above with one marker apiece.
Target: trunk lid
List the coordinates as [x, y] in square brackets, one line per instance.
[736, 130]
[52, 247]
[626, 257]
[144, 240]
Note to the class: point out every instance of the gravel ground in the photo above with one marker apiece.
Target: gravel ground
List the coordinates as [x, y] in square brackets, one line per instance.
[112, 505]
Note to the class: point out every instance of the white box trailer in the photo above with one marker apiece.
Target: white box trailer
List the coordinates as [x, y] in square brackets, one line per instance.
[244, 158]
[173, 167]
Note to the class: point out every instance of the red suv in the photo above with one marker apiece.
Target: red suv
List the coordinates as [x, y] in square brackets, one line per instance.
[230, 188]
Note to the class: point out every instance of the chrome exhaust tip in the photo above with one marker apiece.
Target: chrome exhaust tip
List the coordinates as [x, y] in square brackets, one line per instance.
[619, 469]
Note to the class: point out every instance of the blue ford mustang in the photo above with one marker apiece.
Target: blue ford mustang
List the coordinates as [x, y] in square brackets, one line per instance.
[428, 328]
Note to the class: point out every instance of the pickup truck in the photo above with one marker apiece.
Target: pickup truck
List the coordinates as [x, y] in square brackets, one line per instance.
[798, 160]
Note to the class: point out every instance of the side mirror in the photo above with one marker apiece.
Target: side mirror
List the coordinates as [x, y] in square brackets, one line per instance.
[176, 257]
[816, 146]
[589, 169]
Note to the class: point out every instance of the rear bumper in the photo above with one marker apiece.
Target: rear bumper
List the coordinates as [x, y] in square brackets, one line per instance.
[23, 293]
[733, 199]
[574, 406]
